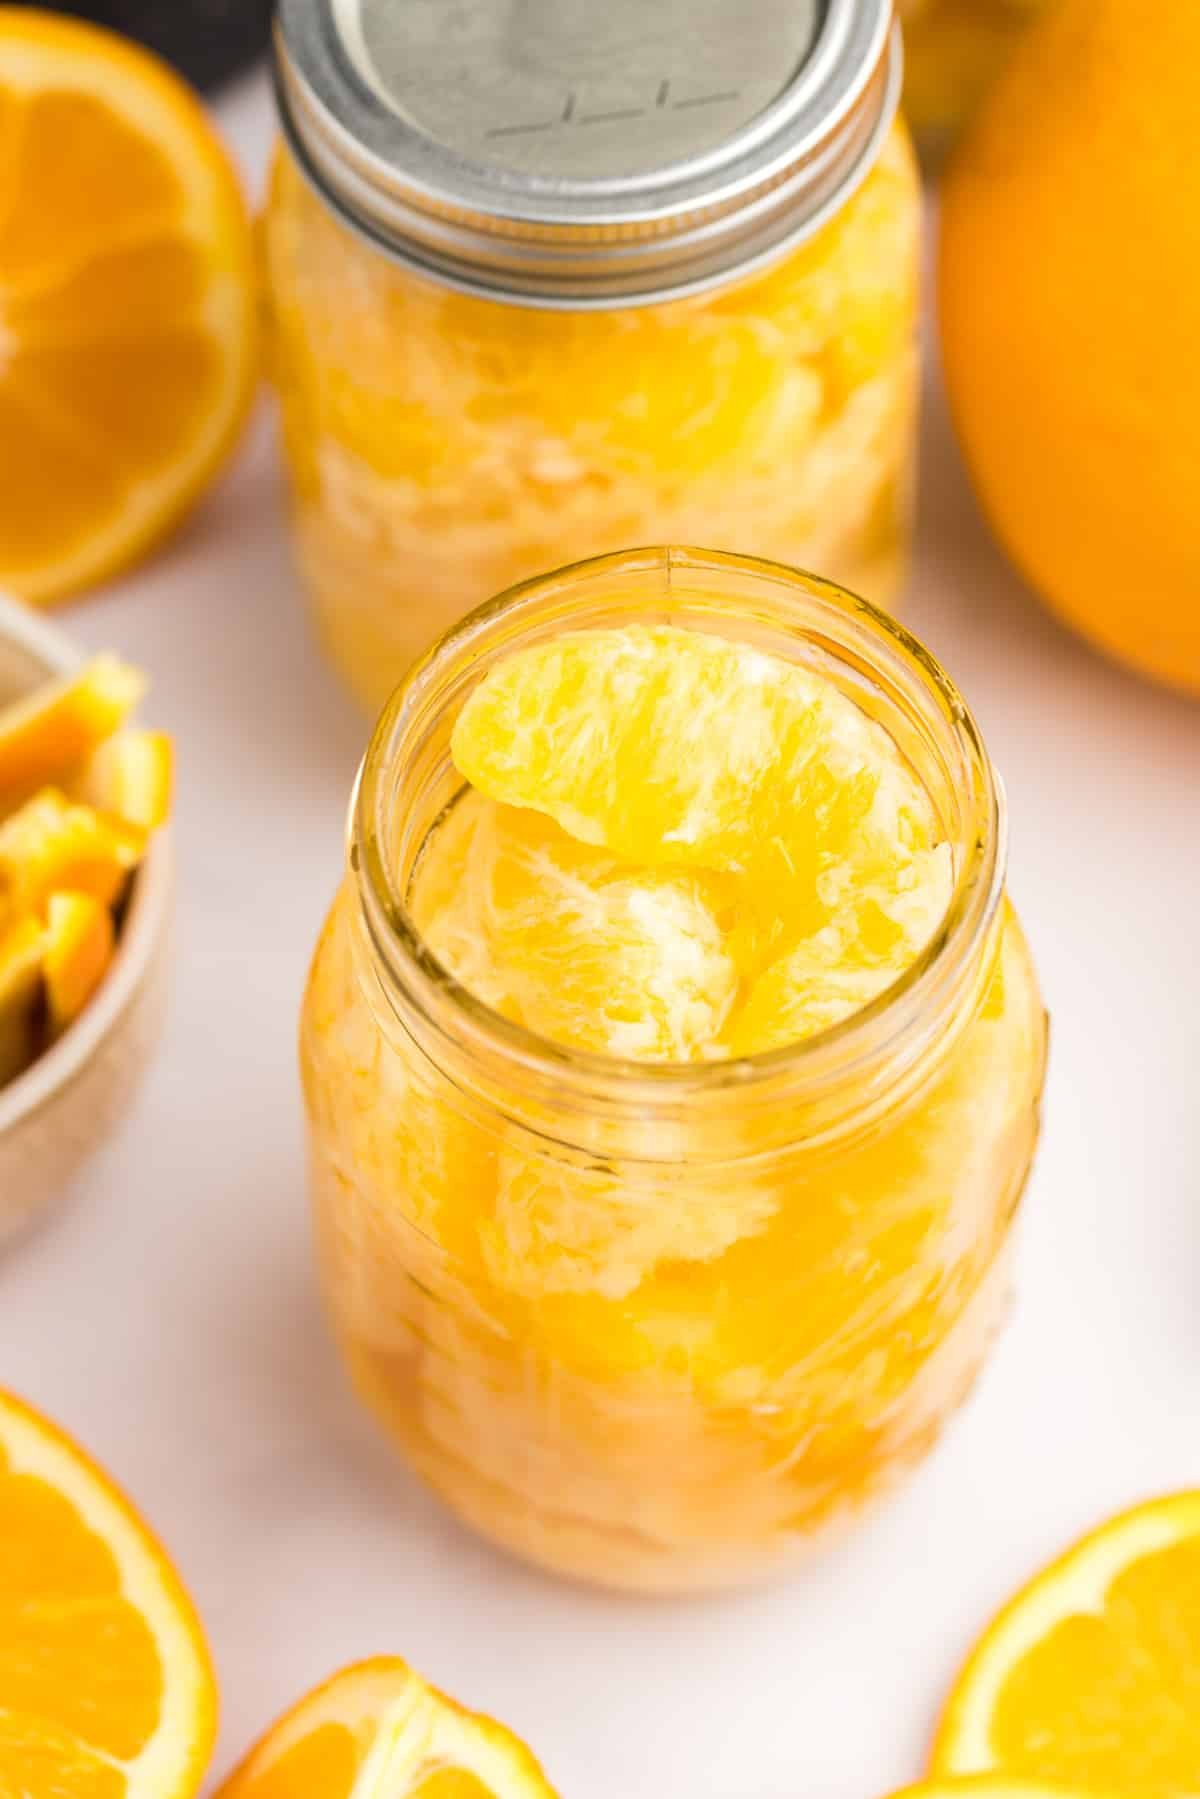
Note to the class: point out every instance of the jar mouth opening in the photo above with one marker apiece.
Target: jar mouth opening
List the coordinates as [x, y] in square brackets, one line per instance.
[698, 589]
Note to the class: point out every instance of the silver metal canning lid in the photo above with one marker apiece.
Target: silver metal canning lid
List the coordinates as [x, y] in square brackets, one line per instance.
[586, 153]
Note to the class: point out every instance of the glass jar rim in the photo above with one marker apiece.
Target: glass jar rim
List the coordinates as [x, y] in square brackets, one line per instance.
[862, 1048]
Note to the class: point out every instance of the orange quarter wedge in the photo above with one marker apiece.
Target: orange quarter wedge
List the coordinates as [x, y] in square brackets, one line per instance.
[106, 1690]
[79, 943]
[62, 724]
[1090, 1678]
[52, 844]
[132, 776]
[378, 1731]
[127, 311]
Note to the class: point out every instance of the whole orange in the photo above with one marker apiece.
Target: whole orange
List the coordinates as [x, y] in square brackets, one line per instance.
[1069, 288]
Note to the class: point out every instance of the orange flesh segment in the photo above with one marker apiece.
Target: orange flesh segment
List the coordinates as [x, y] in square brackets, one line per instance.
[1113, 1700]
[62, 724]
[1090, 1678]
[80, 940]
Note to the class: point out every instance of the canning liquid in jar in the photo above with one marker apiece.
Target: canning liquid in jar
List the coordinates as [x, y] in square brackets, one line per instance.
[570, 277]
[673, 1059]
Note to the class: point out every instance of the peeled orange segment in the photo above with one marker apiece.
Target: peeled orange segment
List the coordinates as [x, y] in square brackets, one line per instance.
[132, 776]
[106, 1689]
[61, 724]
[22, 950]
[127, 314]
[1090, 1678]
[52, 843]
[846, 964]
[79, 943]
[677, 748]
[377, 1731]
[573, 942]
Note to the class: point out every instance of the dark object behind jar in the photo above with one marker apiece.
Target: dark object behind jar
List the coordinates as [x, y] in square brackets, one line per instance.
[207, 40]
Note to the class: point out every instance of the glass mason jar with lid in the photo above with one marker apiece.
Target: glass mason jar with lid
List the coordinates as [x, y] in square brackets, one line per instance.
[549, 277]
[658, 1325]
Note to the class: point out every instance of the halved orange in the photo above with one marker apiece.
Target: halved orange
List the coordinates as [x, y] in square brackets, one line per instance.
[127, 309]
[1090, 1677]
[106, 1689]
[378, 1731]
[62, 723]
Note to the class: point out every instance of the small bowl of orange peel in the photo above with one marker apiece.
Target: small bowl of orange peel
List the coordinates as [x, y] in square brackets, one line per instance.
[85, 904]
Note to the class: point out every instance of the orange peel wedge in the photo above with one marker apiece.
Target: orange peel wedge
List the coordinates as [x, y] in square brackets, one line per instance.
[378, 1731]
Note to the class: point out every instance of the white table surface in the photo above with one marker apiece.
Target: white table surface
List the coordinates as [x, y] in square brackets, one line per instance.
[168, 1316]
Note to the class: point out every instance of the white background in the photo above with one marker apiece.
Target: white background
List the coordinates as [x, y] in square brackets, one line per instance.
[168, 1316]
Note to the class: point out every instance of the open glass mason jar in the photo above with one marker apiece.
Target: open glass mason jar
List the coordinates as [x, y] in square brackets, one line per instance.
[953, 51]
[548, 277]
[659, 1325]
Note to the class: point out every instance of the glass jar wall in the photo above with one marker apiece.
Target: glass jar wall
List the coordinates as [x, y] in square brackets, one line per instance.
[659, 1327]
[442, 446]
[953, 50]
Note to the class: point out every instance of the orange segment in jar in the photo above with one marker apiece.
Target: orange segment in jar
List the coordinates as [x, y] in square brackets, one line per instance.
[1090, 1677]
[79, 944]
[61, 723]
[670, 746]
[378, 1731]
[683, 751]
[106, 1689]
[576, 944]
[53, 843]
[127, 312]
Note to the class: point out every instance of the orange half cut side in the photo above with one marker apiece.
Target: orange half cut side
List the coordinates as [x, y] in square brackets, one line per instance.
[106, 1688]
[127, 307]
